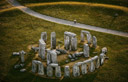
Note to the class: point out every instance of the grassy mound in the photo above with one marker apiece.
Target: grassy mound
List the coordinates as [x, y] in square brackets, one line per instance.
[19, 30]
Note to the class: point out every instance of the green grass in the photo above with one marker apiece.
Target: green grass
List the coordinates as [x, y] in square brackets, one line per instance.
[95, 16]
[113, 2]
[19, 30]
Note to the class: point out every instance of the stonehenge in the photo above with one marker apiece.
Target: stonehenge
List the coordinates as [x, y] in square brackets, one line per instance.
[50, 56]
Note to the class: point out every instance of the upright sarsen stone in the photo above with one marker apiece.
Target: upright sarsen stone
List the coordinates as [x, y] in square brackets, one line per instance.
[66, 71]
[34, 66]
[94, 42]
[53, 40]
[42, 46]
[49, 71]
[86, 50]
[44, 36]
[48, 57]
[76, 71]
[74, 43]
[58, 71]
[102, 58]
[67, 42]
[53, 56]
[89, 38]
[84, 68]
[22, 53]
[40, 68]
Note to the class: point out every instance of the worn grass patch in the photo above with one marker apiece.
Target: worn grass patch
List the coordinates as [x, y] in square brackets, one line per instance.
[18, 31]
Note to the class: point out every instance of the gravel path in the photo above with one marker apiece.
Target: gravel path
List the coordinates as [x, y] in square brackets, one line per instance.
[65, 22]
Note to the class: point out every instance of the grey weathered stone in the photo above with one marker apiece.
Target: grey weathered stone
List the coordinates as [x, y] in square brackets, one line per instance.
[58, 71]
[40, 68]
[44, 36]
[73, 43]
[16, 53]
[73, 55]
[79, 63]
[22, 53]
[69, 56]
[88, 62]
[67, 61]
[89, 38]
[34, 66]
[70, 41]
[94, 42]
[84, 68]
[22, 65]
[53, 65]
[72, 60]
[53, 56]
[83, 32]
[76, 71]
[66, 71]
[42, 46]
[86, 50]
[92, 66]
[98, 63]
[49, 71]
[62, 51]
[23, 70]
[78, 54]
[48, 57]
[53, 40]
[102, 58]
[17, 66]
[67, 42]
[35, 48]
[104, 50]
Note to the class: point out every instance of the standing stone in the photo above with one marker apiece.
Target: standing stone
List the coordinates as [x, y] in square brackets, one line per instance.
[84, 68]
[104, 50]
[76, 71]
[94, 42]
[34, 66]
[40, 68]
[44, 36]
[58, 71]
[83, 32]
[92, 66]
[102, 58]
[53, 56]
[86, 50]
[67, 42]
[42, 46]
[22, 53]
[66, 71]
[73, 43]
[53, 40]
[48, 57]
[49, 71]
[82, 37]
[89, 38]
[97, 63]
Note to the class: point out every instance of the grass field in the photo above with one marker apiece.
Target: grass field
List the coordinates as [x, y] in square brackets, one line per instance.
[95, 16]
[113, 2]
[18, 30]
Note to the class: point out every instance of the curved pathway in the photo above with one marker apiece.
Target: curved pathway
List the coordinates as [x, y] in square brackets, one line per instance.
[65, 22]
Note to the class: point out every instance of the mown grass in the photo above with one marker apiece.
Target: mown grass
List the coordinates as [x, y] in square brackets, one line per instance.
[18, 30]
[95, 16]
[113, 2]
